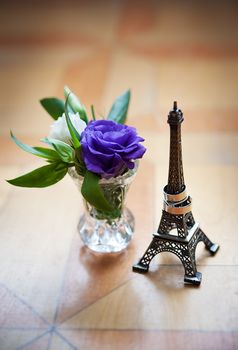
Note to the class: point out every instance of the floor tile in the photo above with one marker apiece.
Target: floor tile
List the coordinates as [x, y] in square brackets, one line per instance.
[39, 343]
[14, 339]
[80, 74]
[136, 18]
[159, 300]
[6, 173]
[140, 340]
[47, 235]
[135, 71]
[39, 74]
[58, 342]
[15, 312]
[205, 31]
[203, 81]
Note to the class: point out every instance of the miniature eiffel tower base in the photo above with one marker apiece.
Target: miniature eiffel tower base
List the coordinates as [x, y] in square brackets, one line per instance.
[184, 248]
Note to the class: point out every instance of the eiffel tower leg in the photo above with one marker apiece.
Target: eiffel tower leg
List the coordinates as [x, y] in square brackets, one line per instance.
[143, 265]
[191, 276]
[211, 247]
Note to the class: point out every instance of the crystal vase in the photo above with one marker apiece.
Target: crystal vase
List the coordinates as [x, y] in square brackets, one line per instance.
[107, 232]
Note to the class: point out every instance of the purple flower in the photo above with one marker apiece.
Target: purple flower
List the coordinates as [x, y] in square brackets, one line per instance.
[109, 148]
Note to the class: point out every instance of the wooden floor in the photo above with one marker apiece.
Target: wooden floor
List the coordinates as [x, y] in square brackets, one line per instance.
[55, 294]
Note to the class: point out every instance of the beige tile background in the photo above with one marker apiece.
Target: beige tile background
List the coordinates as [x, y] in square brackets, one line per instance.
[54, 294]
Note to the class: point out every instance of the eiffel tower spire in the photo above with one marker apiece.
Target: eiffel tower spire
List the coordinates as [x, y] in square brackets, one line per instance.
[175, 177]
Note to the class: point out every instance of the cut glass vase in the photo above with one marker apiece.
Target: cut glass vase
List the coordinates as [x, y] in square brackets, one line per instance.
[107, 232]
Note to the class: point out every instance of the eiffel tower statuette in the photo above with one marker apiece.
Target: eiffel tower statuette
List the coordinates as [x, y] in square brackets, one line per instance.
[177, 214]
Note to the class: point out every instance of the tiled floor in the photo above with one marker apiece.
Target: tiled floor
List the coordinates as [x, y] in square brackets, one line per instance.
[56, 295]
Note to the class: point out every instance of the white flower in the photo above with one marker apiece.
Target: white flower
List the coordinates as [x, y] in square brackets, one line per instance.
[59, 129]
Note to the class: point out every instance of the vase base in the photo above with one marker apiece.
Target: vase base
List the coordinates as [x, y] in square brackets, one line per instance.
[102, 249]
[102, 237]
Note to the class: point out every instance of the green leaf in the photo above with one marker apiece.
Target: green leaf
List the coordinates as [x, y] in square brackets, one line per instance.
[41, 177]
[78, 162]
[37, 151]
[64, 151]
[73, 132]
[54, 106]
[93, 112]
[118, 112]
[92, 192]
[75, 104]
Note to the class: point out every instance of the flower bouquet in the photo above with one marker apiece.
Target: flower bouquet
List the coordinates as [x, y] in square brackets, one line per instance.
[101, 156]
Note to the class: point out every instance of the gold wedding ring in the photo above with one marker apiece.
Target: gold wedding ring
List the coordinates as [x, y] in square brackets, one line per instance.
[175, 197]
[178, 210]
